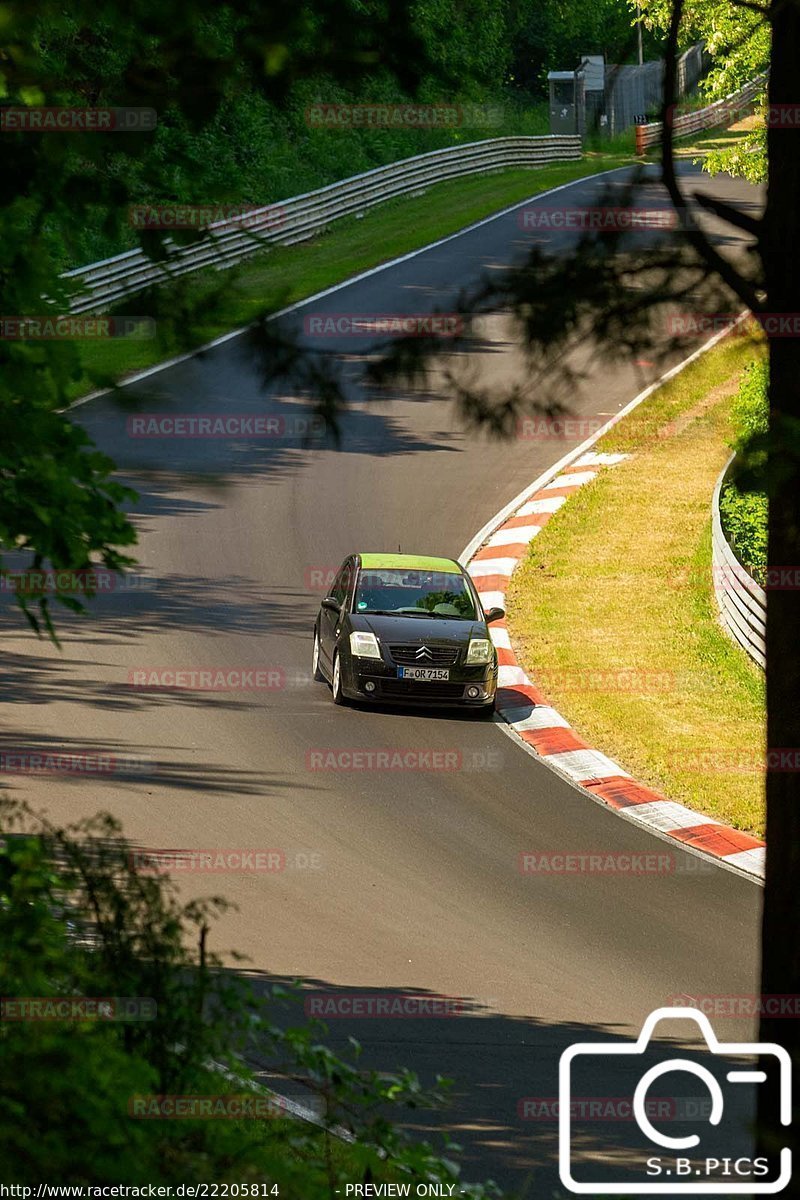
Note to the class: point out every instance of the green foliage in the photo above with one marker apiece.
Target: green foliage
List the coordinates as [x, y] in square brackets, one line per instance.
[78, 919]
[744, 512]
[751, 406]
[553, 36]
[467, 42]
[737, 37]
[744, 520]
[746, 158]
[230, 85]
[751, 419]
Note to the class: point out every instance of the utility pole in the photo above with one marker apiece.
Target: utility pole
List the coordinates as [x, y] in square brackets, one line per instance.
[639, 32]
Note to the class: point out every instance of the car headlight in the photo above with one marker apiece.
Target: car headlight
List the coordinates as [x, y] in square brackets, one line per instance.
[364, 644]
[480, 651]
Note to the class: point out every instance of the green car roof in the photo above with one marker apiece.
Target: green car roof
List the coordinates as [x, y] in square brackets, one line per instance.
[409, 562]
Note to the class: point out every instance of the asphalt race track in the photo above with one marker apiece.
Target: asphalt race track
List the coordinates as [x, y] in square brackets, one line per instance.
[395, 881]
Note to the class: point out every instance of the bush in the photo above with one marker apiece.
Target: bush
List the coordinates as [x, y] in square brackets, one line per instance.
[744, 520]
[78, 919]
[744, 512]
[751, 406]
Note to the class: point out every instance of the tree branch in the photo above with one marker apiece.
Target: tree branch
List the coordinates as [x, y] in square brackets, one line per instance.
[694, 235]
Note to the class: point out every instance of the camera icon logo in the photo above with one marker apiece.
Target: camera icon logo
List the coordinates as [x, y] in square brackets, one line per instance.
[683, 1174]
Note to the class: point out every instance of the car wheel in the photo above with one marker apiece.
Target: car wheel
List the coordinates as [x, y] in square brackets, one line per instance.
[318, 676]
[336, 684]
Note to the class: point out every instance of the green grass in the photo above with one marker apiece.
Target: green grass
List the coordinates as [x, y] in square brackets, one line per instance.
[697, 145]
[620, 581]
[274, 278]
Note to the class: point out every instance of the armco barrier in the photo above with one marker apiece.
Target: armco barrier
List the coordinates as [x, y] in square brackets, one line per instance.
[718, 113]
[742, 602]
[285, 222]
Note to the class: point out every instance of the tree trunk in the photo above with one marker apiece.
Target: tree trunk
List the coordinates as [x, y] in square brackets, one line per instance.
[780, 250]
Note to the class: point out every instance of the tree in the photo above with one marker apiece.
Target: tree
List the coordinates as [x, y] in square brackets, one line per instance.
[79, 918]
[59, 505]
[553, 35]
[738, 39]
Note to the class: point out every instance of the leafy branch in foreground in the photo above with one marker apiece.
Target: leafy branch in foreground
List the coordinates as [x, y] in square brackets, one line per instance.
[219, 79]
[79, 918]
[617, 297]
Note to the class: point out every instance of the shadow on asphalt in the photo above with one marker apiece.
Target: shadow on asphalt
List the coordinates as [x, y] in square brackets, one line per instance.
[503, 1105]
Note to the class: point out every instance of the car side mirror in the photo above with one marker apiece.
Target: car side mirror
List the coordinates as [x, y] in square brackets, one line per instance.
[331, 604]
[494, 614]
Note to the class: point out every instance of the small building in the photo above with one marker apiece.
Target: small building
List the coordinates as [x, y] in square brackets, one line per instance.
[566, 101]
[577, 98]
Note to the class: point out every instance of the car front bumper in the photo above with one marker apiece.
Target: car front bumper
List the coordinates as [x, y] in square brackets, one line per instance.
[377, 682]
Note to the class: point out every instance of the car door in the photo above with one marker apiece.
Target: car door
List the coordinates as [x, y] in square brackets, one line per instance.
[330, 619]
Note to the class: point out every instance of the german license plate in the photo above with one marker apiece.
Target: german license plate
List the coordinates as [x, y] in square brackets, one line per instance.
[427, 674]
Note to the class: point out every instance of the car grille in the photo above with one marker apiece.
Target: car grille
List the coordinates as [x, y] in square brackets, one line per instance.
[440, 656]
[413, 687]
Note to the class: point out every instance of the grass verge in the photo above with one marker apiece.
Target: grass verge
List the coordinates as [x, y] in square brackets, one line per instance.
[613, 614]
[273, 279]
[698, 145]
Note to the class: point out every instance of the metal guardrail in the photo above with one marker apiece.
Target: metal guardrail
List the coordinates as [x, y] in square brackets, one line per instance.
[742, 602]
[709, 117]
[102, 284]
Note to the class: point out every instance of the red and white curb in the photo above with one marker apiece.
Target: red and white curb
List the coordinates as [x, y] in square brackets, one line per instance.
[541, 728]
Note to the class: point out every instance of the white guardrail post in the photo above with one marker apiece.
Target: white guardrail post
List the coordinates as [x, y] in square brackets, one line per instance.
[709, 117]
[742, 602]
[285, 222]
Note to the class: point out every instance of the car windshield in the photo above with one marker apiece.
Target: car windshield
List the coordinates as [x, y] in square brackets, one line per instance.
[414, 593]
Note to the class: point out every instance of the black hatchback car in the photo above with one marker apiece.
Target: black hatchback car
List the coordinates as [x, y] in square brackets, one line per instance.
[409, 629]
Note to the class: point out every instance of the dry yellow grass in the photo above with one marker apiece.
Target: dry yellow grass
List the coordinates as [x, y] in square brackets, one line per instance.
[620, 582]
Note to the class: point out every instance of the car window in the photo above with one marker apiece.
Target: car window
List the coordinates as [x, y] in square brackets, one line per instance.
[347, 579]
[341, 584]
[411, 592]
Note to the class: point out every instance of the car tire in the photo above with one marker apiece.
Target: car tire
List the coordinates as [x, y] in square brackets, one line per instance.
[336, 682]
[486, 712]
[315, 668]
